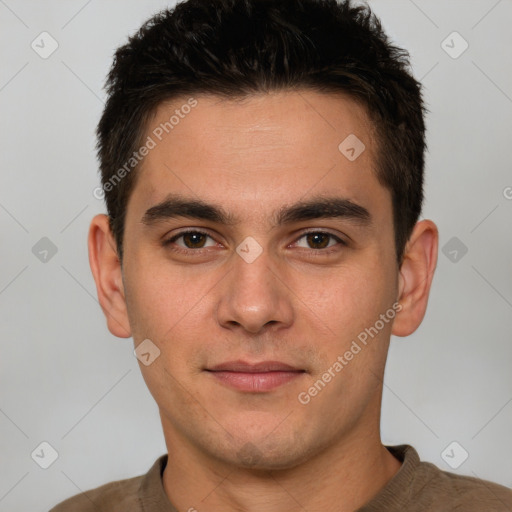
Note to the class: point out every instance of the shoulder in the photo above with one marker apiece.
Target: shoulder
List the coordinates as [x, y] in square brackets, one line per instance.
[464, 492]
[118, 496]
[420, 486]
[430, 488]
[114, 496]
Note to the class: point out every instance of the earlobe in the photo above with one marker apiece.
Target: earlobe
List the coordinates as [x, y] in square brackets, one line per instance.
[415, 277]
[106, 269]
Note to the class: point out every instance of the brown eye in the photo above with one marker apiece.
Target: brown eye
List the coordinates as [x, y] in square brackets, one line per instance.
[194, 240]
[190, 240]
[318, 240]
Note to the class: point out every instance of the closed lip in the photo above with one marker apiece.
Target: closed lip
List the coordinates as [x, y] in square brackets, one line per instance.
[261, 367]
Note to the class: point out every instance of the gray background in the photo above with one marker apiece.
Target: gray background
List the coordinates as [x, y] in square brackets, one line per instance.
[66, 380]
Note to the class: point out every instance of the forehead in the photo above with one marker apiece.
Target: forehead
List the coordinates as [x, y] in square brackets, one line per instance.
[267, 149]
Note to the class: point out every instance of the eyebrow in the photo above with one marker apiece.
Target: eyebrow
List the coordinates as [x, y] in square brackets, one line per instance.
[175, 206]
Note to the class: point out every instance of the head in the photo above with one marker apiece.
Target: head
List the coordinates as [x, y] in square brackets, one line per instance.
[262, 163]
[234, 49]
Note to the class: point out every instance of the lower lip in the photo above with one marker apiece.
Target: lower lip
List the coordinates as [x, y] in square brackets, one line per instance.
[255, 382]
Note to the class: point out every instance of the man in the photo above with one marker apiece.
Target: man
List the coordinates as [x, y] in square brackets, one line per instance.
[262, 163]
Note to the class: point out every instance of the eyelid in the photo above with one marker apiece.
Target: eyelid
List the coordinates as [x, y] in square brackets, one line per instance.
[340, 240]
[200, 231]
[321, 231]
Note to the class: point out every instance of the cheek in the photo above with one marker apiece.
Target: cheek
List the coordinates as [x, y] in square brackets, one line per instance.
[169, 310]
[345, 299]
[160, 301]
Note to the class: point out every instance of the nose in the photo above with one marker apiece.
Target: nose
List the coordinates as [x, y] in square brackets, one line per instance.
[254, 296]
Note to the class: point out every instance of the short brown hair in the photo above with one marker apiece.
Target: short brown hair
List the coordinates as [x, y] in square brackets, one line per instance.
[234, 48]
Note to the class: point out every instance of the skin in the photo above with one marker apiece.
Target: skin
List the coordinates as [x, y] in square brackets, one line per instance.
[296, 303]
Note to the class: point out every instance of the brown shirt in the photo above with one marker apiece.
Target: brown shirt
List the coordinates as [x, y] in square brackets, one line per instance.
[417, 487]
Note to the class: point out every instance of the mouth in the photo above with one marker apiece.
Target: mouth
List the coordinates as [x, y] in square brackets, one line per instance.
[255, 378]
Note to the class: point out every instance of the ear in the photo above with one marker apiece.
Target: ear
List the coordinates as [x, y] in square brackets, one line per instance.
[107, 273]
[415, 277]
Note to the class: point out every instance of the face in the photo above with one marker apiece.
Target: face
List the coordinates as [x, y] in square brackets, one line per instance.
[256, 253]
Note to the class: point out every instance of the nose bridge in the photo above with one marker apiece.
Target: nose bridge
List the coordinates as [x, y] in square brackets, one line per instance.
[252, 277]
[253, 295]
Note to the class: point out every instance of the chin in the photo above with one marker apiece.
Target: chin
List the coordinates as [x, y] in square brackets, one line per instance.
[267, 454]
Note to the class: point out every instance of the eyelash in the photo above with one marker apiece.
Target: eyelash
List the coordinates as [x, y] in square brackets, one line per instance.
[329, 250]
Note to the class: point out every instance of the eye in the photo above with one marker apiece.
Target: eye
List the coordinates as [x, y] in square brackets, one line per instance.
[319, 240]
[191, 240]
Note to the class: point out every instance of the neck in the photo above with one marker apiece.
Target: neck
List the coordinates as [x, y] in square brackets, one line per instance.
[342, 478]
